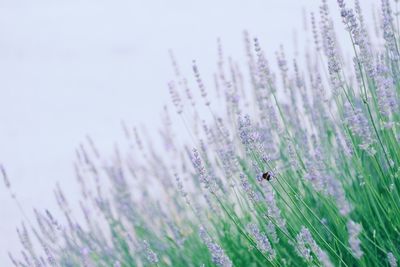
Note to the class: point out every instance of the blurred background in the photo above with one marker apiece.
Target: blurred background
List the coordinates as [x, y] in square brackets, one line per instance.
[74, 68]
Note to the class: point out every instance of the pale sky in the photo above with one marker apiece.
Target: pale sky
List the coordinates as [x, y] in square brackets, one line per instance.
[74, 67]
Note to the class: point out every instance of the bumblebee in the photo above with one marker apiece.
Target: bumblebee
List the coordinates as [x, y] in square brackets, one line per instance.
[267, 176]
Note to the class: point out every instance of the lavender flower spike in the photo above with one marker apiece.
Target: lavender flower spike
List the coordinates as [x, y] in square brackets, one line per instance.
[151, 256]
[391, 259]
[354, 241]
[306, 244]
[262, 241]
[217, 253]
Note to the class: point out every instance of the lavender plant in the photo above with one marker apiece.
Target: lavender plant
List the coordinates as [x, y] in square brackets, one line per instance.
[295, 168]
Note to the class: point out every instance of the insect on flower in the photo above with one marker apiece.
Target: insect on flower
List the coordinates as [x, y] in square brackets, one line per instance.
[267, 176]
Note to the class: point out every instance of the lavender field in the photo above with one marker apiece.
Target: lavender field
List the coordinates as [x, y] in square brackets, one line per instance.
[276, 150]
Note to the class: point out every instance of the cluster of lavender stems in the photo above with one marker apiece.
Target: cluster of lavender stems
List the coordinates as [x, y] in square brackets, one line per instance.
[294, 167]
